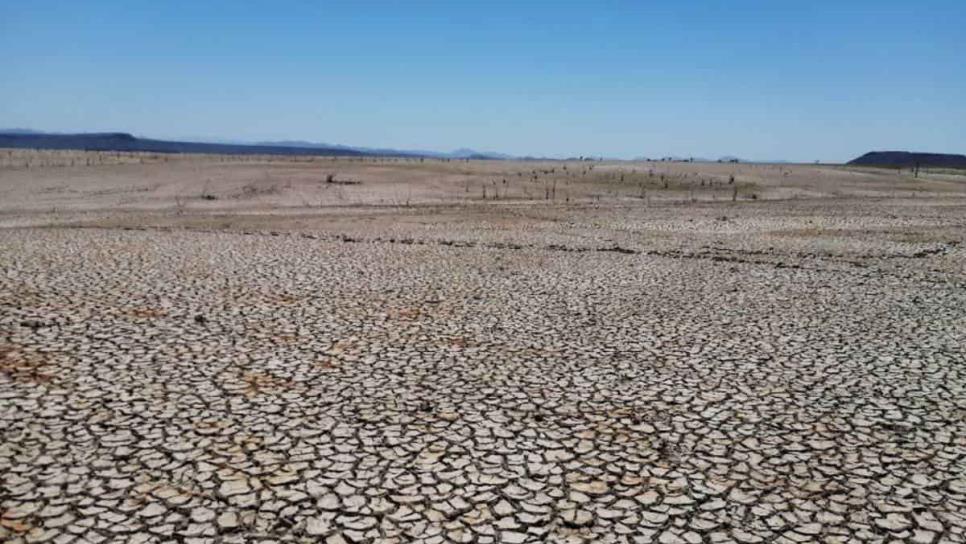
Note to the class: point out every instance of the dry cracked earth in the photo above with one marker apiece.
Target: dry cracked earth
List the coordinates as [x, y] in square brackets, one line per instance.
[709, 382]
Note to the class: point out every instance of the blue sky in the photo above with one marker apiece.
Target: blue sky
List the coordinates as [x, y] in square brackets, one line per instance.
[813, 80]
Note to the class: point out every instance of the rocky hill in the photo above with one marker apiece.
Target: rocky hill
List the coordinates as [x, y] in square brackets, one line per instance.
[906, 159]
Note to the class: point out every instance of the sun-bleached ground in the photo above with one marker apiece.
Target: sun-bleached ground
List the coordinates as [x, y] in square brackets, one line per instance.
[212, 349]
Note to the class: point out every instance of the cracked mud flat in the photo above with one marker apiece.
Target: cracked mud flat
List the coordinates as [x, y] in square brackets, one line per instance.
[737, 382]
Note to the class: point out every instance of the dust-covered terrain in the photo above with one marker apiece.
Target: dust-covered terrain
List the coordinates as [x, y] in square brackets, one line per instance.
[214, 349]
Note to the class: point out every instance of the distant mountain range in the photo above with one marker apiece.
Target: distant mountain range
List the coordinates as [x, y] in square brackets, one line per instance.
[462, 153]
[906, 159]
[121, 141]
[22, 138]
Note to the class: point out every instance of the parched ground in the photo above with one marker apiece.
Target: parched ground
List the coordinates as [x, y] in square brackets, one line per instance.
[601, 370]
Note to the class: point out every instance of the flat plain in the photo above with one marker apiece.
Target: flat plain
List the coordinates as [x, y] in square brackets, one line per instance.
[206, 349]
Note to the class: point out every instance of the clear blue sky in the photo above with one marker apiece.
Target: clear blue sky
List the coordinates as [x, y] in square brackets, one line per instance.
[797, 80]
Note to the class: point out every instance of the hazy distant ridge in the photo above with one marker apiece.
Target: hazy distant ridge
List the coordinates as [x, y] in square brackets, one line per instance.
[462, 153]
[120, 141]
